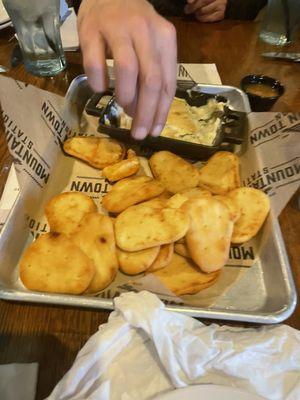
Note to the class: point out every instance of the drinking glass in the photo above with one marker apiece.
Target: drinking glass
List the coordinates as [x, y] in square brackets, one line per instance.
[281, 21]
[37, 24]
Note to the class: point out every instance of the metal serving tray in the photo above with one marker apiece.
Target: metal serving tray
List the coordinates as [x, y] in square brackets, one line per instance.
[264, 294]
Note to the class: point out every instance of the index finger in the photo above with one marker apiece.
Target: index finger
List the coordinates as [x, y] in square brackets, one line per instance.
[126, 71]
[168, 61]
[149, 83]
[94, 63]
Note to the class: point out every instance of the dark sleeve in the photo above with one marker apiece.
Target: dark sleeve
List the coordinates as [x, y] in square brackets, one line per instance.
[244, 9]
[169, 7]
[75, 4]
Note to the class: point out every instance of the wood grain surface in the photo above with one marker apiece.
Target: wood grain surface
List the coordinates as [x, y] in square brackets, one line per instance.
[52, 335]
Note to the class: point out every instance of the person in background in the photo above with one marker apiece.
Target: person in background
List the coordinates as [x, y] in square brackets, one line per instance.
[144, 48]
[216, 10]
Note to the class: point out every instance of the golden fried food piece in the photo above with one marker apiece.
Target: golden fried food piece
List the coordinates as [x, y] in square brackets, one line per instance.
[163, 258]
[140, 227]
[65, 211]
[176, 201]
[53, 263]
[95, 237]
[182, 250]
[209, 234]
[122, 169]
[254, 207]
[233, 207]
[157, 202]
[130, 191]
[181, 276]
[181, 240]
[174, 172]
[160, 201]
[97, 152]
[221, 173]
[135, 262]
[195, 193]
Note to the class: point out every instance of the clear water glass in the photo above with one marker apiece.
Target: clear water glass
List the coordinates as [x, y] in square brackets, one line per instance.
[281, 22]
[37, 24]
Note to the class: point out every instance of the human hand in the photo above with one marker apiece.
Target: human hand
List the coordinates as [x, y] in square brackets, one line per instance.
[206, 10]
[143, 46]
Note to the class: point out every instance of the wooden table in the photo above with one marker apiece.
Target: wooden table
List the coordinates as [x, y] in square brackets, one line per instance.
[52, 335]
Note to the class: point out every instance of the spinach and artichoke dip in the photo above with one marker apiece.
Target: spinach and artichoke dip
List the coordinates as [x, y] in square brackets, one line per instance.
[188, 123]
[194, 124]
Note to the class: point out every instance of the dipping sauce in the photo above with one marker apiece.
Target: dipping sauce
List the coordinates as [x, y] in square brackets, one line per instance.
[261, 89]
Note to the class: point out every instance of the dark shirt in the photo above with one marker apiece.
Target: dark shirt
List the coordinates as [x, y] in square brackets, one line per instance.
[244, 9]
[236, 9]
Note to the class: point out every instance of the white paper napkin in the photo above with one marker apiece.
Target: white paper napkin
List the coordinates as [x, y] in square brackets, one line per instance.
[4, 17]
[18, 381]
[9, 195]
[144, 350]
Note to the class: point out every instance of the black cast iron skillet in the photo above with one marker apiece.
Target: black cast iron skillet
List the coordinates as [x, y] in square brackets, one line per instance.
[232, 130]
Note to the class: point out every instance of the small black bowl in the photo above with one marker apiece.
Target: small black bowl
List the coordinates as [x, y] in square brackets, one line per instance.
[262, 91]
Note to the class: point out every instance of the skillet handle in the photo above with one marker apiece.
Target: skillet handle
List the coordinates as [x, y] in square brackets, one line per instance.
[235, 126]
[92, 107]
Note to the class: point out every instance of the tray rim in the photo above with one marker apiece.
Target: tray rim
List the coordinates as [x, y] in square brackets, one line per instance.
[82, 77]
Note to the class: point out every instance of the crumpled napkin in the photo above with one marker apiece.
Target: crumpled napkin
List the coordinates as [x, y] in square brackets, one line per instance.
[144, 350]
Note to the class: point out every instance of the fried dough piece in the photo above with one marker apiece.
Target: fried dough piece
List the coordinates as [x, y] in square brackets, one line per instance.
[209, 234]
[53, 263]
[195, 193]
[122, 169]
[135, 262]
[181, 276]
[233, 207]
[254, 207]
[130, 191]
[163, 258]
[160, 201]
[157, 202]
[174, 172]
[165, 195]
[140, 227]
[221, 173]
[176, 201]
[64, 211]
[95, 237]
[97, 152]
[182, 250]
